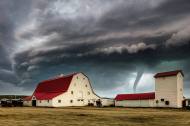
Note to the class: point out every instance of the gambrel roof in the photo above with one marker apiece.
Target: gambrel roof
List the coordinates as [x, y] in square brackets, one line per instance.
[51, 88]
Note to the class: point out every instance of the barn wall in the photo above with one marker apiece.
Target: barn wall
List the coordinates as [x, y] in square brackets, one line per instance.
[179, 90]
[44, 103]
[135, 103]
[82, 93]
[167, 88]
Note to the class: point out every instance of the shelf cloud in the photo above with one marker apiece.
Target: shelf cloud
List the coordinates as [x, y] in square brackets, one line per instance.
[108, 40]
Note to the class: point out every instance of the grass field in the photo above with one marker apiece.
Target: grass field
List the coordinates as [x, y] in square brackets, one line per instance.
[85, 116]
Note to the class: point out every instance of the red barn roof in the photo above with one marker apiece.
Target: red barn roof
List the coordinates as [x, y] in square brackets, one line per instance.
[139, 96]
[170, 73]
[49, 89]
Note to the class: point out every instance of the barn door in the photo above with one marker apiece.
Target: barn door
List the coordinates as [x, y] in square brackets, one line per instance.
[34, 103]
[81, 97]
[80, 94]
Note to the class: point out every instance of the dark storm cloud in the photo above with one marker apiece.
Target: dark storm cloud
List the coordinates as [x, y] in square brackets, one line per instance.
[140, 16]
[79, 59]
[108, 40]
[12, 15]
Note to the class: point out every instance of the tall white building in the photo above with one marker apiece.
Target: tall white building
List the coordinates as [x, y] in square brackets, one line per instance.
[168, 93]
[70, 90]
[169, 89]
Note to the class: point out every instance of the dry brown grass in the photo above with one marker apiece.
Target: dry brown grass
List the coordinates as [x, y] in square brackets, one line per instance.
[85, 116]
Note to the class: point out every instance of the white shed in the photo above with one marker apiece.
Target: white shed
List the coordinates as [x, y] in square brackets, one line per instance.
[107, 102]
[135, 100]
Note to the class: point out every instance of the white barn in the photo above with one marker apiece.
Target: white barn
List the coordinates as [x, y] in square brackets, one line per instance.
[70, 90]
[168, 93]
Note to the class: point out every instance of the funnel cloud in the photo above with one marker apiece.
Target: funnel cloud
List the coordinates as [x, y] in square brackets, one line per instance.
[138, 77]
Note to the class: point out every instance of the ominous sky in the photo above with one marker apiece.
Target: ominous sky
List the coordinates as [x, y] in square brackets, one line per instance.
[111, 41]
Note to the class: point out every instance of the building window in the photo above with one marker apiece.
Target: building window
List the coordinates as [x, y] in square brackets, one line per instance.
[71, 101]
[180, 89]
[59, 101]
[71, 92]
[83, 78]
[78, 99]
[47, 101]
[88, 93]
[162, 99]
[77, 77]
[157, 101]
[40, 101]
[167, 102]
[86, 85]
[188, 102]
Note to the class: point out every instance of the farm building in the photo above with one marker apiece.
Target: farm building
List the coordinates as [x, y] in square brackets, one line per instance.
[187, 102]
[135, 100]
[70, 90]
[168, 93]
[106, 102]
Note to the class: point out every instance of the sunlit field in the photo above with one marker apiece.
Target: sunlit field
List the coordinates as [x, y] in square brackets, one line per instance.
[85, 116]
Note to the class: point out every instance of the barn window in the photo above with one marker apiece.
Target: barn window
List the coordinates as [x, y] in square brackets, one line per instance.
[77, 77]
[71, 92]
[162, 99]
[157, 101]
[59, 101]
[86, 85]
[83, 78]
[40, 101]
[78, 99]
[71, 101]
[88, 93]
[82, 99]
[180, 89]
[47, 101]
[167, 102]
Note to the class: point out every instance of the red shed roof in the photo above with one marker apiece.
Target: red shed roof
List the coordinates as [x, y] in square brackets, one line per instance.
[49, 89]
[170, 73]
[139, 96]
[27, 98]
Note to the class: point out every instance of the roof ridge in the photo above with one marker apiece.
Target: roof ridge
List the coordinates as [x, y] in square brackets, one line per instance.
[137, 93]
[58, 77]
[171, 71]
